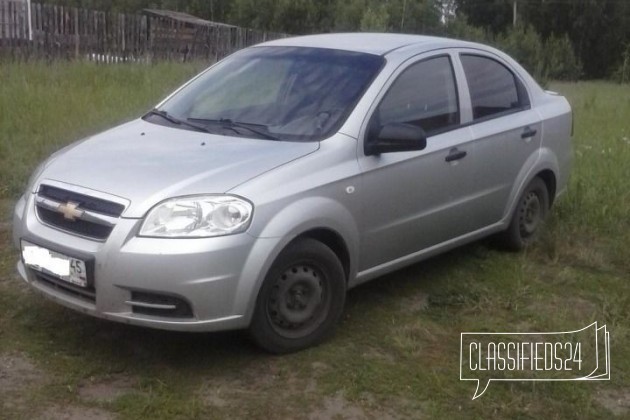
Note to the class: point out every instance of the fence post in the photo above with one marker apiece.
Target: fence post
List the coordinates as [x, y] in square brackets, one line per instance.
[77, 39]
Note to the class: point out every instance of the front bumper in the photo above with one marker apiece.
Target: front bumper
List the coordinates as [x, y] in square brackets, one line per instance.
[218, 277]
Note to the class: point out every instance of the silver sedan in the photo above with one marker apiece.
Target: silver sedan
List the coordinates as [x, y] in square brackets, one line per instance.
[260, 191]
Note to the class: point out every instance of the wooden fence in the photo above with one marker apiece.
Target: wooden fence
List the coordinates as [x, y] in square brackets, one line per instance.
[68, 32]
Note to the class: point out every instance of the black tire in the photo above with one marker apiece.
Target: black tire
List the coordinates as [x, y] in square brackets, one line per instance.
[530, 213]
[301, 299]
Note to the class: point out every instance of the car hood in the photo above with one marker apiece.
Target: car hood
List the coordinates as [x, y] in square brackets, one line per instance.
[146, 163]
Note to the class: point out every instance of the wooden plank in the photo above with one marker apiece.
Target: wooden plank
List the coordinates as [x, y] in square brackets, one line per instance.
[21, 20]
[3, 36]
[77, 37]
[37, 19]
[61, 22]
[145, 37]
[54, 23]
[11, 23]
[121, 26]
[95, 32]
[102, 35]
[34, 22]
[3, 22]
[46, 11]
[89, 31]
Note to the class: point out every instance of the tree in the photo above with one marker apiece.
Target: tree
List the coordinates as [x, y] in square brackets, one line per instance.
[492, 15]
[375, 18]
[597, 29]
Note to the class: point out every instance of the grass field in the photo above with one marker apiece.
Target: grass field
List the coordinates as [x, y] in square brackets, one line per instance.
[396, 353]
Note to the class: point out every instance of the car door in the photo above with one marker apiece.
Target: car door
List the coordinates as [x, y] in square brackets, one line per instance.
[506, 132]
[412, 200]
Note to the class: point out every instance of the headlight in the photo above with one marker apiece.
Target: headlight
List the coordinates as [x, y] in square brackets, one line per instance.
[198, 217]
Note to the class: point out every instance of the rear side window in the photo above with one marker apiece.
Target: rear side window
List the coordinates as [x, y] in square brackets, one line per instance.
[494, 89]
[423, 95]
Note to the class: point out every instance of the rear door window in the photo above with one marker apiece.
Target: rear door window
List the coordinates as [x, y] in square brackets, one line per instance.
[494, 90]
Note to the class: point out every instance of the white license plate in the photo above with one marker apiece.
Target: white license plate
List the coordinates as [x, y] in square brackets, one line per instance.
[61, 266]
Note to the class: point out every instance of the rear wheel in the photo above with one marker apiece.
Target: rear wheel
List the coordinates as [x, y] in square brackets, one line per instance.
[301, 299]
[530, 212]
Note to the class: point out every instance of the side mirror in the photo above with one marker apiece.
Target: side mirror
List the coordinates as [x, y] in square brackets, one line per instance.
[396, 137]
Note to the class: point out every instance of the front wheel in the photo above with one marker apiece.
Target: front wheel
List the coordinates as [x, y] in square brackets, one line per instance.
[530, 212]
[301, 299]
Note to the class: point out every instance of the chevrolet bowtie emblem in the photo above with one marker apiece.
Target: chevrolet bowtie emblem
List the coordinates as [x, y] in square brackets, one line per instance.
[70, 211]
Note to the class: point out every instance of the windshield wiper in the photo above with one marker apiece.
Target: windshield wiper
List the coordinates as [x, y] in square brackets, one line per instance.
[228, 123]
[168, 117]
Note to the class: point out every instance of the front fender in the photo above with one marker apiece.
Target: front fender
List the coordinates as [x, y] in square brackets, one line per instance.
[290, 222]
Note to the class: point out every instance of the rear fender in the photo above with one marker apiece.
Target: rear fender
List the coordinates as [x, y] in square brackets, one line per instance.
[541, 160]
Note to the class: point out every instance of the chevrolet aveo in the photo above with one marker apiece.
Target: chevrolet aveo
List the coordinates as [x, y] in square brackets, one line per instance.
[260, 191]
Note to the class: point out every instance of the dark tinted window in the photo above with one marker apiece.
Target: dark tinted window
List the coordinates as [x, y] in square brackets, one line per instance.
[493, 88]
[423, 95]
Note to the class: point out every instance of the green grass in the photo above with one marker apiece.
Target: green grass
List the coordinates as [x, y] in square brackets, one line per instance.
[396, 351]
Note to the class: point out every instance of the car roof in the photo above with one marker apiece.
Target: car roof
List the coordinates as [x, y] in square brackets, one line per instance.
[371, 43]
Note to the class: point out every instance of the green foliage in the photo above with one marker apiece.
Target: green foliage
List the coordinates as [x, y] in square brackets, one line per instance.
[524, 44]
[492, 15]
[550, 59]
[415, 16]
[559, 60]
[460, 28]
[258, 13]
[294, 16]
[597, 29]
[375, 19]
[622, 72]
[348, 14]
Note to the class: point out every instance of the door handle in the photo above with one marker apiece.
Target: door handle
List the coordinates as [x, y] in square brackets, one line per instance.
[455, 154]
[528, 132]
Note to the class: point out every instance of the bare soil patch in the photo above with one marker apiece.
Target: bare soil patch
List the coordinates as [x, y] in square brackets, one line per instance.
[571, 306]
[73, 412]
[17, 376]
[107, 390]
[415, 303]
[337, 406]
[617, 401]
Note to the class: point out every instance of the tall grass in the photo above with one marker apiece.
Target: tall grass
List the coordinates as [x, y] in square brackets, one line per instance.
[598, 198]
[44, 106]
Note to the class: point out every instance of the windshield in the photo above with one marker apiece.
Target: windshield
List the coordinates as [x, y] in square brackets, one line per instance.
[280, 93]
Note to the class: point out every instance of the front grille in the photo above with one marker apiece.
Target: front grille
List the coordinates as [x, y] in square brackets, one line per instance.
[83, 228]
[84, 293]
[98, 218]
[85, 201]
[160, 305]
